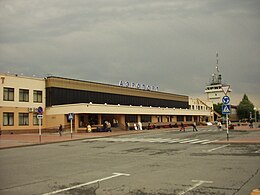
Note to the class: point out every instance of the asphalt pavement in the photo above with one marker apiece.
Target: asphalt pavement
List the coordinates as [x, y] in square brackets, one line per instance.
[161, 161]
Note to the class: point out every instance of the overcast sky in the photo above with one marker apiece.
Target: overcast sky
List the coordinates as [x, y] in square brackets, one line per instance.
[171, 44]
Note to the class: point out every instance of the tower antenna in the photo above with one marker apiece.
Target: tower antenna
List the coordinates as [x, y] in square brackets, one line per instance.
[217, 61]
[218, 72]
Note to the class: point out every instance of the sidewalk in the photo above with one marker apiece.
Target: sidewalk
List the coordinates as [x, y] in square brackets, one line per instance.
[19, 140]
[242, 140]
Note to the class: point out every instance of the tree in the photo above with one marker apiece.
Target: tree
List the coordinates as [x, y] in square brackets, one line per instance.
[218, 108]
[244, 108]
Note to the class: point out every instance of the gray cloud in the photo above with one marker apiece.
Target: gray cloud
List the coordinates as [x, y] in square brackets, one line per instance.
[167, 43]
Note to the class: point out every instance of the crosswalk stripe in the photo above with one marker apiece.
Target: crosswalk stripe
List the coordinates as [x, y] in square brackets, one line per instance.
[205, 140]
[157, 140]
[188, 141]
[174, 141]
[209, 142]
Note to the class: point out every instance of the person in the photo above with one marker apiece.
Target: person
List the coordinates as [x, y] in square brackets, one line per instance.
[251, 123]
[60, 129]
[182, 127]
[104, 126]
[135, 127]
[219, 125]
[127, 126]
[108, 127]
[140, 126]
[89, 128]
[194, 127]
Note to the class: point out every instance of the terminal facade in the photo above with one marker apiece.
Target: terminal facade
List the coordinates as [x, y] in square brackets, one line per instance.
[91, 104]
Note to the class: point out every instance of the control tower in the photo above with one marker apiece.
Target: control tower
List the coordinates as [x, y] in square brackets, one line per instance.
[214, 88]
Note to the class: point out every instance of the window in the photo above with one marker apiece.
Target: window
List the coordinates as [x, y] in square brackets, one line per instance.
[180, 118]
[23, 119]
[188, 118]
[8, 119]
[146, 118]
[37, 96]
[35, 119]
[131, 118]
[24, 95]
[8, 94]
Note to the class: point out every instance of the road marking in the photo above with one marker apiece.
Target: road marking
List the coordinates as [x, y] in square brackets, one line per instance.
[209, 142]
[218, 148]
[85, 184]
[198, 183]
[174, 141]
[196, 142]
[156, 140]
[187, 141]
[258, 151]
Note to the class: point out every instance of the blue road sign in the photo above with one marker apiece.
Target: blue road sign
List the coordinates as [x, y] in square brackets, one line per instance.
[226, 109]
[70, 116]
[40, 110]
[226, 100]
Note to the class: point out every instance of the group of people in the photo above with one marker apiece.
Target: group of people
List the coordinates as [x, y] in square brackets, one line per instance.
[138, 126]
[194, 127]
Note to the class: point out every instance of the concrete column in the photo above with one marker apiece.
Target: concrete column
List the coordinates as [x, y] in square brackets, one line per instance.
[174, 119]
[76, 122]
[99, 119]
[138, 118]
[121, 120]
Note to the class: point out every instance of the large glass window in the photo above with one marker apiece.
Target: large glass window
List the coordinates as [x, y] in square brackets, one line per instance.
[23, 119]
[180, 118]
[188, 118]
[8, 119]
[146, 118]
[8, 94]
[131, 118]
[24, 95]
[37, 96]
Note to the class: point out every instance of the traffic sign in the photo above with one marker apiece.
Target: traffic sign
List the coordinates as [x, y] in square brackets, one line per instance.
[225, 89]
[39, 116]
[40, 110]
[70, 116]
[226, 100]
[226, 109]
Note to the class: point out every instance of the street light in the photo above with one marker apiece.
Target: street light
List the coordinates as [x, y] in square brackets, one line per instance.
[255, 113]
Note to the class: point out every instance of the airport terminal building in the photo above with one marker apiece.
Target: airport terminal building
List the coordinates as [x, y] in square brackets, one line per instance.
[90, 103]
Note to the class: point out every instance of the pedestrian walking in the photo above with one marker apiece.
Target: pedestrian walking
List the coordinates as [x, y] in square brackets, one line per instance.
[135, 127]
[140, 127]
[219, 125]
[182, 127]
[60, 129]
[194, 127]
[251, 123]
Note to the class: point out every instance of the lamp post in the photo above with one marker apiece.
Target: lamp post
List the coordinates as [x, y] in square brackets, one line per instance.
[255, 113]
